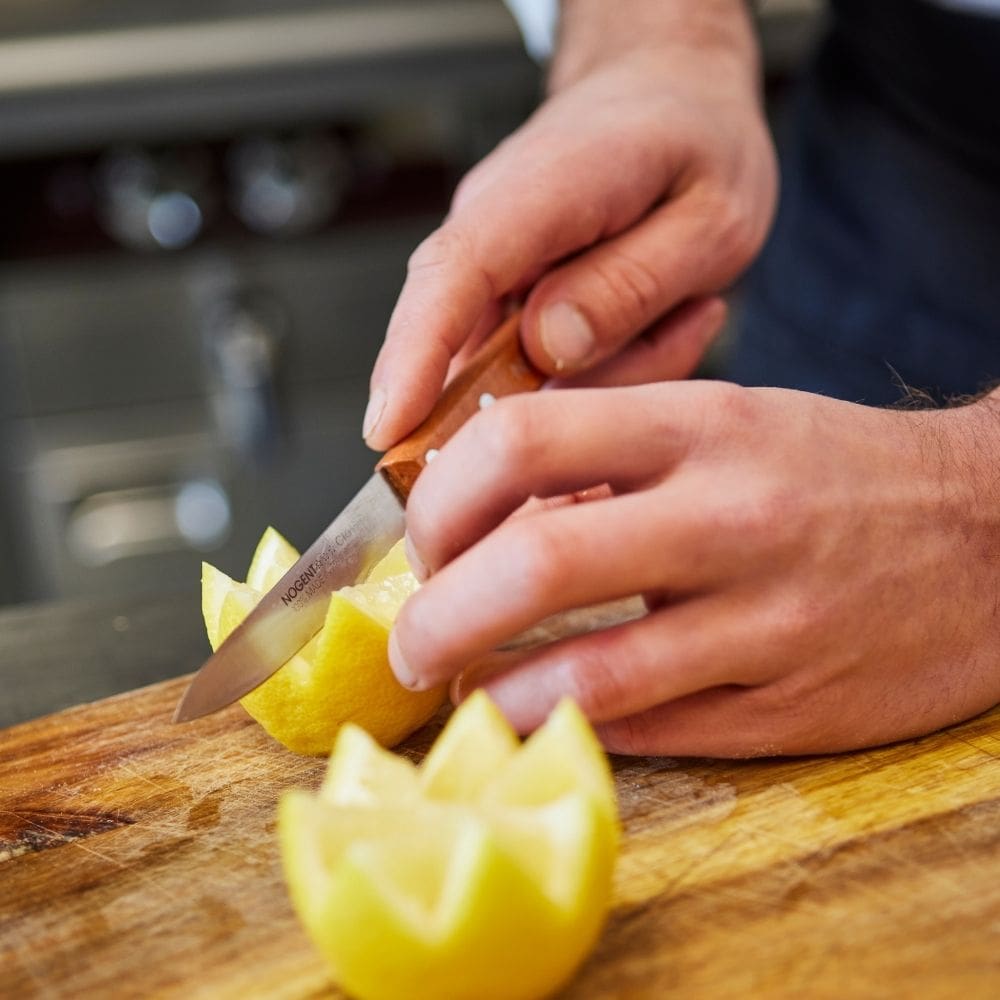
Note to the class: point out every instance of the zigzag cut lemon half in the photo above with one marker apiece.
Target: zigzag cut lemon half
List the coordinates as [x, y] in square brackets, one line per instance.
[342, 674]
[484, 873]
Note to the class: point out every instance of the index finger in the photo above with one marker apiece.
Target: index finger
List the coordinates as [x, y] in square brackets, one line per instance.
[520, 218]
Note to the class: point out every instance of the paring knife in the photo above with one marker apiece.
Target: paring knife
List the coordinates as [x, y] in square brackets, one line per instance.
[293, 611]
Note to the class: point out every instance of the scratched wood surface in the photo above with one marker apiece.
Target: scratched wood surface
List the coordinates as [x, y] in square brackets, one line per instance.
[138, 859]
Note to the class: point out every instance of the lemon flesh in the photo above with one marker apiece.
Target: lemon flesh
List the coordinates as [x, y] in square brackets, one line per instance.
[484, 873]
[342, 674]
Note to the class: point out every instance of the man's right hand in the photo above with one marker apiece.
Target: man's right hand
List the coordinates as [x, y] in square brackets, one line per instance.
[641, 188]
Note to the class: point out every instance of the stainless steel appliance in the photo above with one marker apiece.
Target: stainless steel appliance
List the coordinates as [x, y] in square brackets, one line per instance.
[207, 208]
[207, 212]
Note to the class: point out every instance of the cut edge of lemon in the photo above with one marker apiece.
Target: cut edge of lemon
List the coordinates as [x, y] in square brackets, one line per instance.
[216, 587]
[312, 695]
[272, 559]
[429, 869]
[362, 772]
[476, 742]
[544, 814]
[447, 877]
[381, 599]
[393, 563]
[563, 755]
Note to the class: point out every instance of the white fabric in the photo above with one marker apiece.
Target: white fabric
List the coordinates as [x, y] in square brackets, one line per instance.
[974, 6]
[538, 20]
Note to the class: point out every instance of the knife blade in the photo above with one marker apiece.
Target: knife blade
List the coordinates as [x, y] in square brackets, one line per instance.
[293, 611]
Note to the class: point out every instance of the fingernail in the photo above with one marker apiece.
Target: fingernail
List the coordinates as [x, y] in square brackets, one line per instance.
[400, 667]
[374, 411]
[566, 335]
[417, 566]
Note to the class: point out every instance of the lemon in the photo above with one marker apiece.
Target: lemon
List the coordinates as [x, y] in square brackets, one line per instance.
[273, 557]
[484, 873]
[343, 673]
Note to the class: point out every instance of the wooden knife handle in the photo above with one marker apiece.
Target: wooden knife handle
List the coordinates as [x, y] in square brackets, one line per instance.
[498, 368]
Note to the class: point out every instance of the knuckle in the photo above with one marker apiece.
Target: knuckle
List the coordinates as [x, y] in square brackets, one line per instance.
[770, 511]
[434, 250]
[632, 289]
[466, 187]
[632, 736]
[502, 435]
[449, 247]
[735, 230]
[739, 233]
[790, 710]
[799, 625]
[595, 679]
[536, 556]
[767, 503]
[732, 404]
[726, 411]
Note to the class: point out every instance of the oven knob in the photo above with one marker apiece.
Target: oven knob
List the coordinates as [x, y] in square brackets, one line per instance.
[287, 187]
[154, 202]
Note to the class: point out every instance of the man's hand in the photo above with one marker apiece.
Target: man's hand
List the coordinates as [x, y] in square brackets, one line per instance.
[820, 575]
[641, 188]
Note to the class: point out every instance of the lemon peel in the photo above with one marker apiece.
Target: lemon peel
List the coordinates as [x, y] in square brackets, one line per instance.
[483, 873]
[342, 674]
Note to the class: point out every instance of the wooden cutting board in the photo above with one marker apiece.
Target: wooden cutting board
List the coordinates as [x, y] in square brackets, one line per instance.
[138, 859]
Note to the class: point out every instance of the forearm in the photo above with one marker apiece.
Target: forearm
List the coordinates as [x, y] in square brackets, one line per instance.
[593, 31]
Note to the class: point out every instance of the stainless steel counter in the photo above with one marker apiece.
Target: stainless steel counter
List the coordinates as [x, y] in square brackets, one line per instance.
[227, 362]
[123, 358]
[56, 655]
[107, 71]
[73, 74]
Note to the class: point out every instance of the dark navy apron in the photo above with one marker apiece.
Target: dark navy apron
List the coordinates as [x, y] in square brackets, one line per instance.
[884, 264]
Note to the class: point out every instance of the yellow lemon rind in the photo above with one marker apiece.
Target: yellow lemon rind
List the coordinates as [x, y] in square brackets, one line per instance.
[297, 703]
[342, 675]
[501, 894]
[215, 585]
[487, 899]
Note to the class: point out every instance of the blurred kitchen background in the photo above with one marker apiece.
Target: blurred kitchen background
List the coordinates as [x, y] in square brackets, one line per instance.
[205, 213]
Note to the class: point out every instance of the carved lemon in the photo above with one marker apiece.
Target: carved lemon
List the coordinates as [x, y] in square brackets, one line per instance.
[484, 873]
[342, 674]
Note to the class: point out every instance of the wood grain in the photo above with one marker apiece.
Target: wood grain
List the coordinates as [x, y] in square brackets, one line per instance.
[498, 368]
[138, 859]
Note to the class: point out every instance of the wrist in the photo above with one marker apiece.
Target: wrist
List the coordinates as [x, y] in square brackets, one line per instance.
[959, 446]
[595, 32]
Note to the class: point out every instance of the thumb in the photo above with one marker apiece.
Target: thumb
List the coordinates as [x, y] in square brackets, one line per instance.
[671, 349]
[590, 308]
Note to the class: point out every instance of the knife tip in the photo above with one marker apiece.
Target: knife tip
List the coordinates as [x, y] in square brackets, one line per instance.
[183, 712]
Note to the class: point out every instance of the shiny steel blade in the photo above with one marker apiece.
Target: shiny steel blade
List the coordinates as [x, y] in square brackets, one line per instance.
[292, 612]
